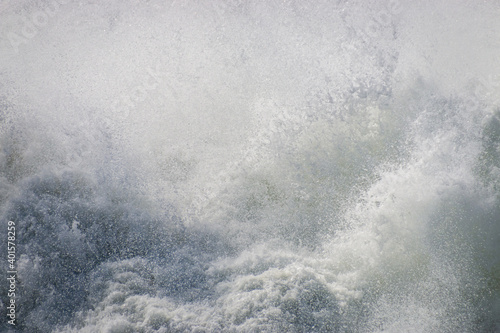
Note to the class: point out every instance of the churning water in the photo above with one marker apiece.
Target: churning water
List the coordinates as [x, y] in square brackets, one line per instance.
[251, 166]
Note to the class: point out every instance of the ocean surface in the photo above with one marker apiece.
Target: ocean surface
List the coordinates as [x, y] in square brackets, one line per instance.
[250, 166]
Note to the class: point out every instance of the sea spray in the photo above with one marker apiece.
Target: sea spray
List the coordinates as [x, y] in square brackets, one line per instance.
[241, 166]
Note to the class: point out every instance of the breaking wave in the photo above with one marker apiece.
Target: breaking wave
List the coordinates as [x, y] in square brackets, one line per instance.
[242, 166]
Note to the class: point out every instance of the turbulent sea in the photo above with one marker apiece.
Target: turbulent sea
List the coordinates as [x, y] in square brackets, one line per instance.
[250, 166]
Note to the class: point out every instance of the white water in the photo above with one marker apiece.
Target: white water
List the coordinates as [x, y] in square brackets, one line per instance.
[235, 166]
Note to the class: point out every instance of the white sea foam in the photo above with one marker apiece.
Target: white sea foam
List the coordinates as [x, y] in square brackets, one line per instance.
[240, 166]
